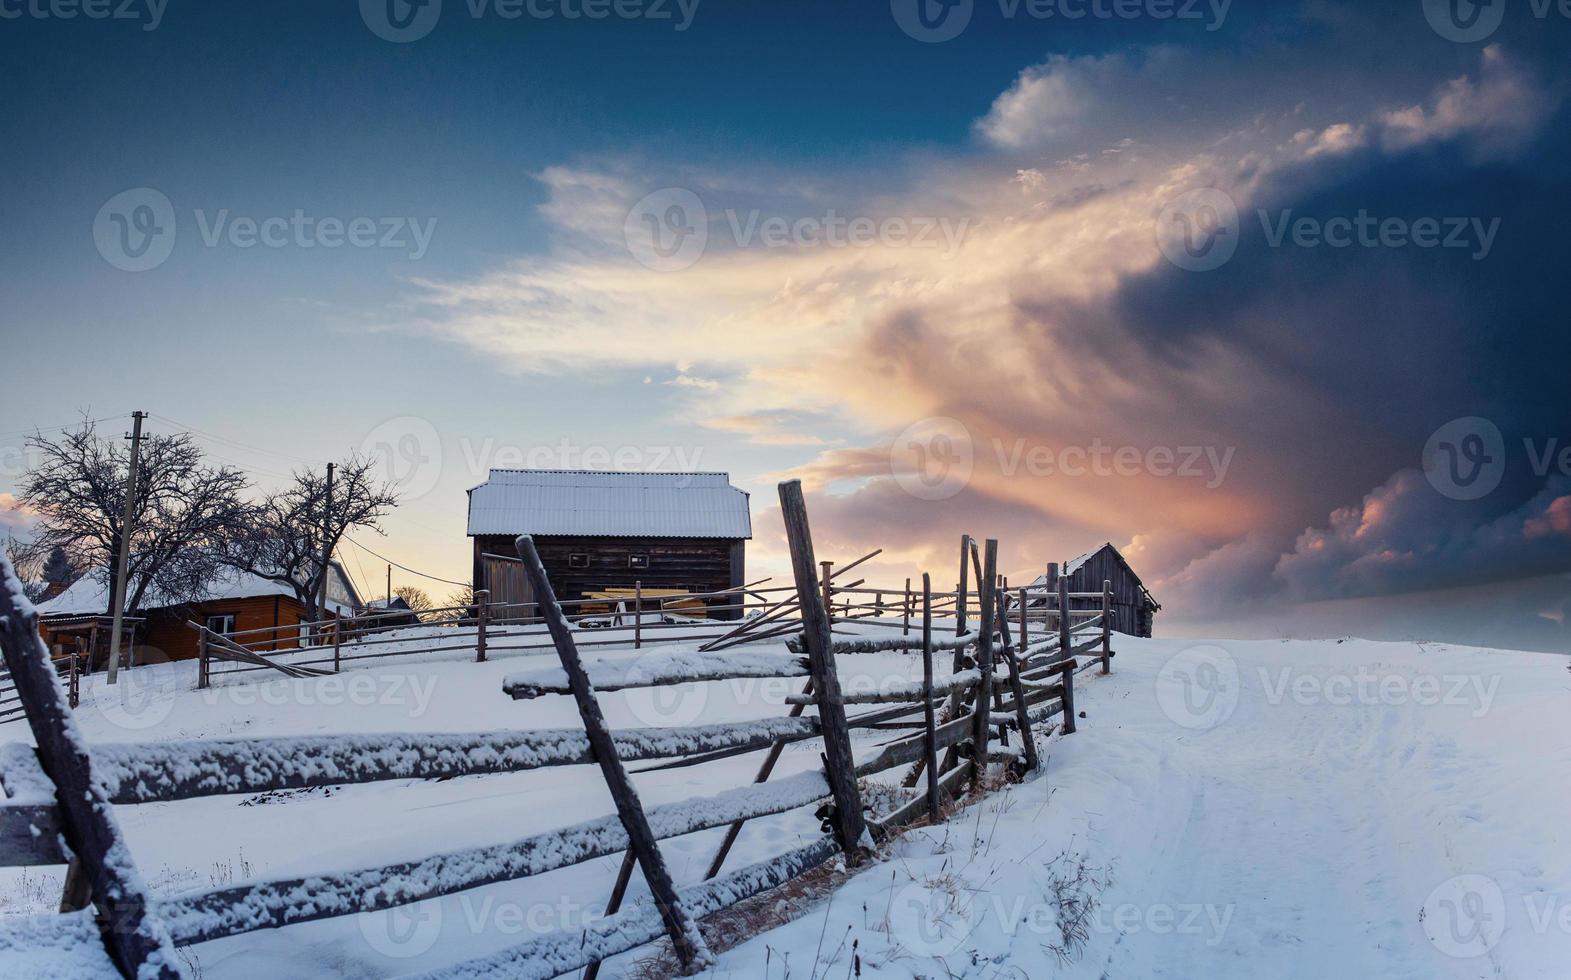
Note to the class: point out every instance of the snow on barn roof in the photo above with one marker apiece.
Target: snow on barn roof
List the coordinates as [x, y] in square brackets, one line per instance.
[609, 504]
[88, 596]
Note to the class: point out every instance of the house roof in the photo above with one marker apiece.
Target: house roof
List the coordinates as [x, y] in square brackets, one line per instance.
[90, 596]
[609, 504]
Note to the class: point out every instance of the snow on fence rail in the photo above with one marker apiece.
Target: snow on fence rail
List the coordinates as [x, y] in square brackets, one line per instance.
[58, 799]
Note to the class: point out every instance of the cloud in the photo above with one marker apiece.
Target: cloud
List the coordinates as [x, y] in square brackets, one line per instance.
[15, 515]
[1497, 113]
[778, 427]
[1058, 323]
[1048, 101]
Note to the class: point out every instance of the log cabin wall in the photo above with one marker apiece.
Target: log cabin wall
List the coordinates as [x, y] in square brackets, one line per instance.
[1134, 612]
[686, 564]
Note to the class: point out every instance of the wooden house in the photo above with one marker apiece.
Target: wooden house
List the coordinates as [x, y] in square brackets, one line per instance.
[77, 620]
[1134, 608]
[599, 532]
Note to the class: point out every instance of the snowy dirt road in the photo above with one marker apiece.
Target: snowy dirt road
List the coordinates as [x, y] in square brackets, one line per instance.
[1245, 810]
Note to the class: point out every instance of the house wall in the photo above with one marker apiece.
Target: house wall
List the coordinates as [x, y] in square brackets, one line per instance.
[164, 633]
[689, 564]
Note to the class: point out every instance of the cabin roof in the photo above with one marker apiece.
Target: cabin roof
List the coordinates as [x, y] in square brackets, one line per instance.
[1074, 565]
[598, 503]
[89, 595]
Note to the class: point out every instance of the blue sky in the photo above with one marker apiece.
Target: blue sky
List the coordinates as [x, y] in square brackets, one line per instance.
[1049, 147]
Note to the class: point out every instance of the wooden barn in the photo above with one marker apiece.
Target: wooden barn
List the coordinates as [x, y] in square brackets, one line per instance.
[600, 532]
[1134, 608]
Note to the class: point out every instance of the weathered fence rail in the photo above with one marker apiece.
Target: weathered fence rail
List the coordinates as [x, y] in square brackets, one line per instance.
[1014, 659]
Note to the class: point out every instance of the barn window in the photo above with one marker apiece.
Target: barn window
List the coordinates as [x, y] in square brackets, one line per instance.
[637, 561]
[578, 560]
[223, 623]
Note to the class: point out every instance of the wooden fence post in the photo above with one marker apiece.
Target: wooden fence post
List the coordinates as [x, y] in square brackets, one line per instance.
[905, 611]
[930, 735]
[638, 614]
[482, 623]
[839, 764]
[1068, 674]
[338, 643]
[960, 591]
[1024, 635]
[829, 590]
[203, 664]
[987, 599]
[76, 681]
[685, 937]
[138, 943]
[1063, 615]
[1107, 626]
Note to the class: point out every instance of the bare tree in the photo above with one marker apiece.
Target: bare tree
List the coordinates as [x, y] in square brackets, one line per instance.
[184, 517]
[291, 527]
[28, 560]
[418, 600]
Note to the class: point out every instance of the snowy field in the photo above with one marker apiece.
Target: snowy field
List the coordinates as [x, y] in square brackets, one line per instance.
[1234, 809]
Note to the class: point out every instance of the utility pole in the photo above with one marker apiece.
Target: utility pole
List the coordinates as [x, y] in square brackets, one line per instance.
[123, 557]
[389, 586]
[327, 545]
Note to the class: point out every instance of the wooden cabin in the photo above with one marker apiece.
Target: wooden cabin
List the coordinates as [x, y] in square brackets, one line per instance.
[601, 532]
[77, 620]
[1134, 608]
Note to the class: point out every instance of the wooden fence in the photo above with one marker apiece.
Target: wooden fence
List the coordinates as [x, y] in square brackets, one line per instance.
[1003, 681]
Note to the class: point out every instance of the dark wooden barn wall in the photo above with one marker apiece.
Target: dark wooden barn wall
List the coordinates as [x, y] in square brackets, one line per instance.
[689, 564]
[1132, 612]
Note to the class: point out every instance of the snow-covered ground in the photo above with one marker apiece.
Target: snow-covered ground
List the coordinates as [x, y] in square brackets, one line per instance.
[1235, 809]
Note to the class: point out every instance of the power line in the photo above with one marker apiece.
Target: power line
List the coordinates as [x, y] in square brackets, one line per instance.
[411, 571]
[235, 442]
[62, 428]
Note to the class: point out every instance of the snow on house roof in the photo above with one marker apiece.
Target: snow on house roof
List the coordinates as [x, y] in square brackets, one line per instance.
[88, 596]
[609, 504]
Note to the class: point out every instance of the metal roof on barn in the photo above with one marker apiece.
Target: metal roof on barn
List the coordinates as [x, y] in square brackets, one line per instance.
[608, 504]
